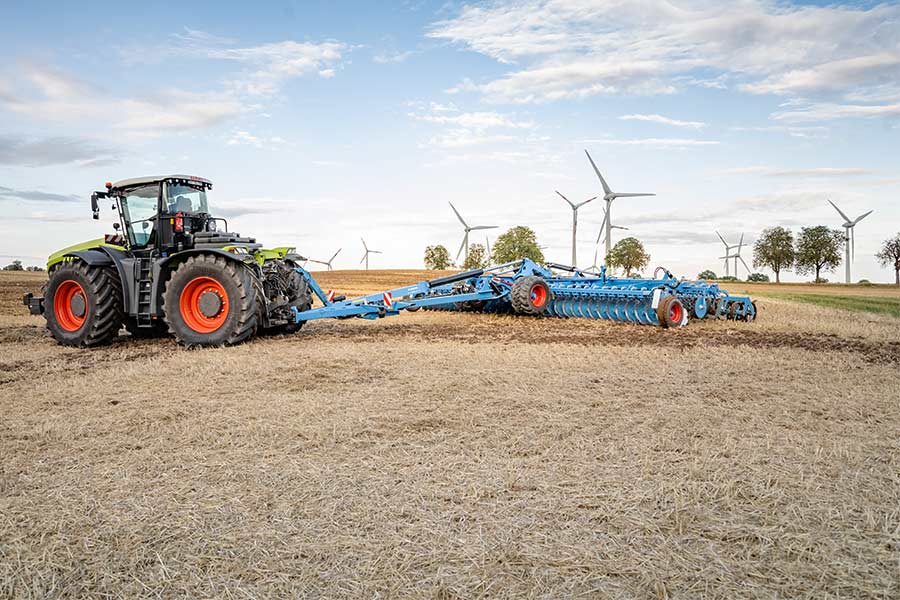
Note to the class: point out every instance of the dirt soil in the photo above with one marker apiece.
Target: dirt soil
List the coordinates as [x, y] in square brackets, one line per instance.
[445, 455]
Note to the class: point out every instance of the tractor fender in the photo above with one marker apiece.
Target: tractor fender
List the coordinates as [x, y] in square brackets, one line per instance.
[184, 254]
[95, 258]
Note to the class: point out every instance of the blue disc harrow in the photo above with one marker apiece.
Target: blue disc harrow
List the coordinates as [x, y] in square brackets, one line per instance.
[524, 287]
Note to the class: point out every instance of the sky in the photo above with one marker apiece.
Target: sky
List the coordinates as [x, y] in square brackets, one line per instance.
[323, 123]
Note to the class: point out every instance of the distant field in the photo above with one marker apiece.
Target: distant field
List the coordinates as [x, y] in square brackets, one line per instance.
[444, 455]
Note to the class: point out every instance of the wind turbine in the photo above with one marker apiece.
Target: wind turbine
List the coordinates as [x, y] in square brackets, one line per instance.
[487, 243]
[599, 236]
[465, 242]
[575, 208]
[737, 256]
[366, 255]
[849, 236]
[609, 196]
[329, 261]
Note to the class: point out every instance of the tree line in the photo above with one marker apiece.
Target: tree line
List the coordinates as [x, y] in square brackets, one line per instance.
[813, 251]
[521, 242]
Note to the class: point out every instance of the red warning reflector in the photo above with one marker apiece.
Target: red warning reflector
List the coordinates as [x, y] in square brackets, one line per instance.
[330, 295]
[388, 300]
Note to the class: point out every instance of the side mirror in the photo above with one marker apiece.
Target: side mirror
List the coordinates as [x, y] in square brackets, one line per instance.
[95, 206]
[116, 226]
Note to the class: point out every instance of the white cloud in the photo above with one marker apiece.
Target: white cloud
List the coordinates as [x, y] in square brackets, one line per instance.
[664, 121]
[245, 138]
[384, 58]
[828, 111]
[459, 138]
[42, 152]
[810, 172]
[654, 142]
[573, 48]
[475, 120]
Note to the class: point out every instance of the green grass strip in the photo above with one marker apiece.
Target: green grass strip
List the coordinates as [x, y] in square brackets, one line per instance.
[871, 304]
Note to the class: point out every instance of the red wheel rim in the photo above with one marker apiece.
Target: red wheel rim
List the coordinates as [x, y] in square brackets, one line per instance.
[538, 295]
[189, 303]
[675, 312]
[67, 318]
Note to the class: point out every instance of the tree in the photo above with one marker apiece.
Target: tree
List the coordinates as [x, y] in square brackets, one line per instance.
[818, 249]
[15, 265]
[518, 242]
[628, 254]
[437, 258]
[774, 249]
[707, 274]
[476, 259]
[889, 256]
[759, 278]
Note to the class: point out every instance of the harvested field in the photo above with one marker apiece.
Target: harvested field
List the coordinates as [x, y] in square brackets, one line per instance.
[443, 455]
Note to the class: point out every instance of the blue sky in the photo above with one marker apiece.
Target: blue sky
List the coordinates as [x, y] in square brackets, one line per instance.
[323, 123]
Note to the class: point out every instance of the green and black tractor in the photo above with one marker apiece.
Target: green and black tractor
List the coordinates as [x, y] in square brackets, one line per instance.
[171, 267]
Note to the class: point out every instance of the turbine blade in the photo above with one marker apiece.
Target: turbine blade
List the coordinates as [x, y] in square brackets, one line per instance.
[566, 199]
[364, 244]
[618, 227]
[580, 204]
[741, 243]
[458, 216]
[863, 216]
[335, 255]
[852, 244]
[376, 251]
[723, 239]
[478, 227]
[745, 265]
[606, 189]
[364, 257]
[603, 225]
[840, 212]
[630, 194]
[461, 246]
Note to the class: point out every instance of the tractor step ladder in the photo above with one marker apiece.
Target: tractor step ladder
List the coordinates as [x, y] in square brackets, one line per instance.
[144, 281]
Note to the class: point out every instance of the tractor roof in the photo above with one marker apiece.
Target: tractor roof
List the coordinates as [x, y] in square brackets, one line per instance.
[135, 181]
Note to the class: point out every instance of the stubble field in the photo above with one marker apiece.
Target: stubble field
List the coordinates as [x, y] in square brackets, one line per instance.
[440, 455]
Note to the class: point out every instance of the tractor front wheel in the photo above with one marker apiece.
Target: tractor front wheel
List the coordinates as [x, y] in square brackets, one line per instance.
[83, 304]
[210, 301]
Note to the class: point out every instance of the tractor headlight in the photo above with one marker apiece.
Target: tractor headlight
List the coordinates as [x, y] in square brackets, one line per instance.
[211, 225]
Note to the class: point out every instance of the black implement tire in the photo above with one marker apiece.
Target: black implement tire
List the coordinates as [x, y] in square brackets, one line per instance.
[223, 288]
[83, 304]
[301, 298]
[670, 312]
[530, 295]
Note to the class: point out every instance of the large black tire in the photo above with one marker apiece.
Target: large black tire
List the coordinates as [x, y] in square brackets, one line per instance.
[218, 280]
[530, 295]
[301, 298]
[83, 304]
[670, 312]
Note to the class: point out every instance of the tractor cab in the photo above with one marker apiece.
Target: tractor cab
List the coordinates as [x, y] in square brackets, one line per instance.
[162, 215]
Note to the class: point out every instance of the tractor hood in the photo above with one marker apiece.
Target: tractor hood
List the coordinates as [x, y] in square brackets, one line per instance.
[59, 255]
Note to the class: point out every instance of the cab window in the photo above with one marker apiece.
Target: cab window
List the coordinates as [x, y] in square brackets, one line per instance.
[140, 214]
[183, 198]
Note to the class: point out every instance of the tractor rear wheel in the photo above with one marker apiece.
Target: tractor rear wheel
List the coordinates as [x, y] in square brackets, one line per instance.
[210, 301]
[530, 295]
[301, 299]
[83, 304]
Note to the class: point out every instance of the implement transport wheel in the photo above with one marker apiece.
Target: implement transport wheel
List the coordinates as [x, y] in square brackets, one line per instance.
[210, 301]
[83, 304]
[530, 295]
[670, 312]
[301, 298]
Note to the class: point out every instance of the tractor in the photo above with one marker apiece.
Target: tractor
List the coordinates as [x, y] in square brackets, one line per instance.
[171, 267]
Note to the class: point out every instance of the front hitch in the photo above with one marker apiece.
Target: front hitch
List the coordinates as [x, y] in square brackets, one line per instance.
[35, 305]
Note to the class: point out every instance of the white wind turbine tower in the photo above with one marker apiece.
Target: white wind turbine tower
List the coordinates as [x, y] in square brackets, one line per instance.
[609, 196]
[736, 256]
[330, 260]
[599, 237]
[465, 242]
[575, 208]
[849, 236]
[366, 255]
